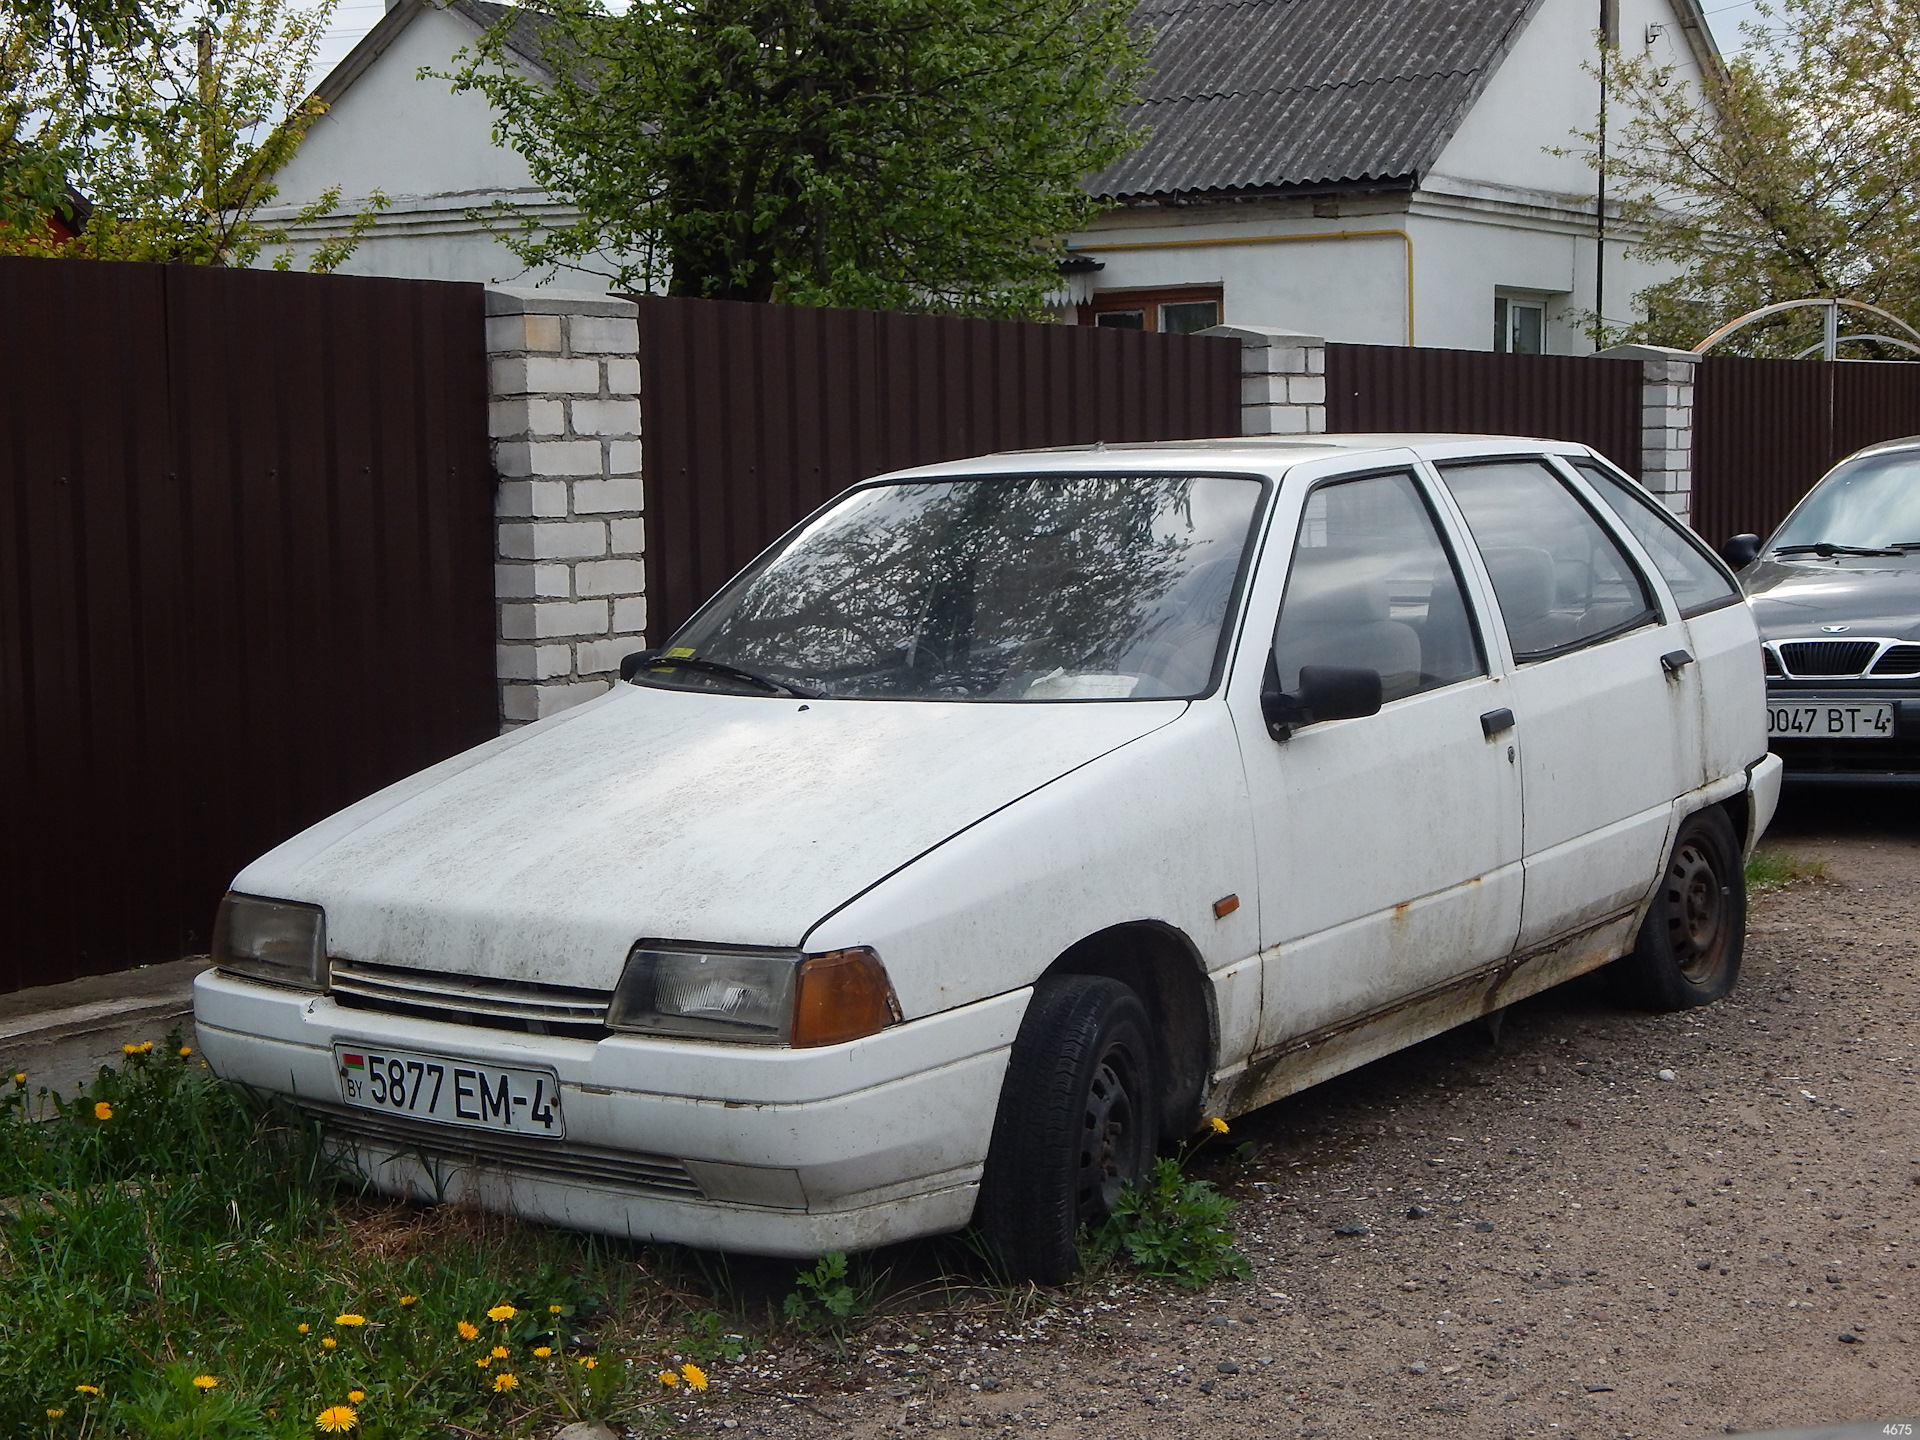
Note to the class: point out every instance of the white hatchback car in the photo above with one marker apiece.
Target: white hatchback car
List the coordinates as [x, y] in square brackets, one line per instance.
[1009, 817]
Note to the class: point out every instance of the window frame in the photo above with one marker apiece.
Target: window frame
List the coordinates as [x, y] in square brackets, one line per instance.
[1655, 613]
[1439, 518]
[1504, 308]
[1638, 493]
[1149, 301]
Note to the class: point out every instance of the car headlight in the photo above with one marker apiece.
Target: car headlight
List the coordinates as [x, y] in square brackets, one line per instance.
[760, 997]
[276, 940]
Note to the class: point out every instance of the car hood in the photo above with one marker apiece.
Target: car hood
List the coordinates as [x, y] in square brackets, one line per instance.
[669, 814]
[1793, 599]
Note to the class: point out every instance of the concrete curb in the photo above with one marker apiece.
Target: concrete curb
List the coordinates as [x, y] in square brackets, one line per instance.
[62, 1034]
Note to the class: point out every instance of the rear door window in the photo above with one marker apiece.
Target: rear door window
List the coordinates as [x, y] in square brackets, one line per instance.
[1562, 581]
[1696, 579]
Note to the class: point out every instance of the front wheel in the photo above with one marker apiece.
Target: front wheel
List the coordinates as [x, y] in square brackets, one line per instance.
[1690, 944]
[1076, 1123]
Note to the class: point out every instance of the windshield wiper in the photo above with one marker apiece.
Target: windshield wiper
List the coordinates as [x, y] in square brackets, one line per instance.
[1905, 545]
[732, 672]
[1827, 550]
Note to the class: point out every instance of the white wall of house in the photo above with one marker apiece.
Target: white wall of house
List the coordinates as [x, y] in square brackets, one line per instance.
[430, 152]
[1498, 214]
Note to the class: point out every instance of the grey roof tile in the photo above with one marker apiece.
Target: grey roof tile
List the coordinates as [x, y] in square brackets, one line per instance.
[1267, 94]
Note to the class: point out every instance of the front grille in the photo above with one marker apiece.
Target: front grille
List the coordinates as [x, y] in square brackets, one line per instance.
[1827, 657]
[1899, 660]
[523, 1005]
[447, 1145]
[1769, 662]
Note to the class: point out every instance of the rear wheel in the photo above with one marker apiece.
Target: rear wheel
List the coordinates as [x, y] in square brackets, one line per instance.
[1076, 1123]
[1691, 942]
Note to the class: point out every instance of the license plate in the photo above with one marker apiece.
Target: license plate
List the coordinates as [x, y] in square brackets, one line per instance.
[453, 1092]
[1827, 720]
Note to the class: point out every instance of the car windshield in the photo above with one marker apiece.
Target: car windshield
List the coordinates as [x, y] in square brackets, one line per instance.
[1870, 504]
[1021, 588]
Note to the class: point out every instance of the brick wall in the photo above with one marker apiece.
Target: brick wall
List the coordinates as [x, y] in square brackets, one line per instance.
[569, 578]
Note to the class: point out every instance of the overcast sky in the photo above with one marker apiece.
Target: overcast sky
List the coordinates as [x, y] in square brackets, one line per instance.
[355, 17]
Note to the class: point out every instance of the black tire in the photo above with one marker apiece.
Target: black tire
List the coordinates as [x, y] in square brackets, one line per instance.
[1078, 1120]
[1695, 932]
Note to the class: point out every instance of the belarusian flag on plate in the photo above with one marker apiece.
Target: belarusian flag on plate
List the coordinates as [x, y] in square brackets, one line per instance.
[354, 1062]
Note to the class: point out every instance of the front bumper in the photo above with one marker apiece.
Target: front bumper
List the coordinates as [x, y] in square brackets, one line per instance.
[769, 1151]
[1815, 761]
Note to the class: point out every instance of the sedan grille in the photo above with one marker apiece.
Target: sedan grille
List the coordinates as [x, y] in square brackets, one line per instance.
[1899, 660]
[445, 1145]
[523, 1005]
[1827, 657]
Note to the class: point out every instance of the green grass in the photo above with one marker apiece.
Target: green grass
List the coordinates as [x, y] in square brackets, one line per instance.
[1777, 869]
[164, 1228]
[179, 1259]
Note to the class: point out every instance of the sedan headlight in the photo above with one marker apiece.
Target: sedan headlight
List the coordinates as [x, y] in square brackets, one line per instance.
[276, 940]
[761, 997]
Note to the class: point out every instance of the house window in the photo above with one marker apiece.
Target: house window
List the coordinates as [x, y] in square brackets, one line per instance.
[1172, 312]
[1519, 326]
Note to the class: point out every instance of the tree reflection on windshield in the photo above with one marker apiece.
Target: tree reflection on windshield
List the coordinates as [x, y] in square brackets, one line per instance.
[1872, 504]
[1077, 587]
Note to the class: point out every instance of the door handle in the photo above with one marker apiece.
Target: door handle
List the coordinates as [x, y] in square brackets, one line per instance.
[1495, 721]
[1674, 661]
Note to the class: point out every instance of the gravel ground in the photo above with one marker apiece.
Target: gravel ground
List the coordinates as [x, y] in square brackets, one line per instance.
[1544, 1238]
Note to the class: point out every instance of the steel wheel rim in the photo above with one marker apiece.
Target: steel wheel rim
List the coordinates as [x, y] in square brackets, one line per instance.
[1109, 1136]
[1696, 910]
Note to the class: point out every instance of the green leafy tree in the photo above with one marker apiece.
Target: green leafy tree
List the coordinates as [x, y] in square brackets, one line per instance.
[1794, 174]
[173, 138]
[903, 154]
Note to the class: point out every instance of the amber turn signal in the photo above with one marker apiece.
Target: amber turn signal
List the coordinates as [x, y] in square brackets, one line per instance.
[841, 996]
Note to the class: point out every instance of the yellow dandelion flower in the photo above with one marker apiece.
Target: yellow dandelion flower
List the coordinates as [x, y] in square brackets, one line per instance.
[19, 1077]
[304, 1327]
[102, 1110]
[696, 1377]
[87, 1389]
[336, 1419]
[587, 1362]
[186, 1052]
[499, 1352]
[551, 1309]
[129, 1049]
[54, 1414]
[204, 1382]
[467, 1331]
[507, 1380]
[406, 1300]
[327, 1342]
[350, 1320]
[1219, 1125]
[502, 1313]
[669, 1379]
[356, 1396]
[541, 1352]
[484, 1361]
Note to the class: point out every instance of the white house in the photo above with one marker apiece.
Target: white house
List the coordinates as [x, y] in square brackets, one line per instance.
[1368, 170]
[1374, 171]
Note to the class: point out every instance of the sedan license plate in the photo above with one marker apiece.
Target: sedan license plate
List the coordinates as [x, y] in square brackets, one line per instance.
[454, 1092]
[1827, 720]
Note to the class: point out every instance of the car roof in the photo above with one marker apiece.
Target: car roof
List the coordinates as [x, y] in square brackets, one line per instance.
[1271, 454]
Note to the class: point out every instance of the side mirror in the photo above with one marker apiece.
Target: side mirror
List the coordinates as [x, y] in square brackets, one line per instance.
[632, 665]
[1740, 551]
[1327, 692]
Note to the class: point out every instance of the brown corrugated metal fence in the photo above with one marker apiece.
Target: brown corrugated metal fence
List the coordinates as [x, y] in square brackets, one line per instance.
[1554, 397]
[1765, 430]
[755, 414]
[245, 579]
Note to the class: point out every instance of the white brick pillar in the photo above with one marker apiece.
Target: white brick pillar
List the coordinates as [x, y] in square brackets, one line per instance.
[1283, 379]
[569, 575]
[1666, 422]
